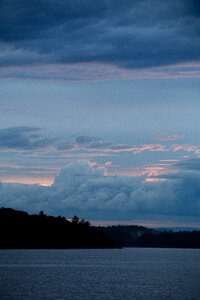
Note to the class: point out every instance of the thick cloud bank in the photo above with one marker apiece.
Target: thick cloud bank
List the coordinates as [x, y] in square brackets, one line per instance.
[131, 34]
[84, 190]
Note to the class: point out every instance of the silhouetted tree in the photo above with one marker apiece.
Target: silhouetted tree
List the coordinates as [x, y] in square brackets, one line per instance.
[41, 213]
[75, 220]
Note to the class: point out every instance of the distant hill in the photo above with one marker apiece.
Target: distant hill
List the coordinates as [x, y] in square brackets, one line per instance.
[126, 235]
[177, 229]
[18, 229]
[139, 236]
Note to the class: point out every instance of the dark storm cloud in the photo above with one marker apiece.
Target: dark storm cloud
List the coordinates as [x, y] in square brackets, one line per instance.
[132, 34]
[23, 138]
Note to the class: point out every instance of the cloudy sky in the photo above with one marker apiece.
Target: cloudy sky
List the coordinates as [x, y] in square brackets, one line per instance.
[99, 109]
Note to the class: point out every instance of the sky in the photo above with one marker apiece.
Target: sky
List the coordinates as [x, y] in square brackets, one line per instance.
[99, 109]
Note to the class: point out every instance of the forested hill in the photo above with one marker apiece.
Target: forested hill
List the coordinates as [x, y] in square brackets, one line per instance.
[18, 229]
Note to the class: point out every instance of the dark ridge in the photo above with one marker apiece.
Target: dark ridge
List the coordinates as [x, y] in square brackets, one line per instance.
[19, 230]
[139, 236]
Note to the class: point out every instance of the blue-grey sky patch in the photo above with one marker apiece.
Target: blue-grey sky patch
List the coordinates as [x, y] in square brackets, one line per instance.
[99, 108]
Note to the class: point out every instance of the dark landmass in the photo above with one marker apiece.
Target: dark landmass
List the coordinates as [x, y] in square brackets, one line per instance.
[19, 230]
[138, 236]
[177, 229]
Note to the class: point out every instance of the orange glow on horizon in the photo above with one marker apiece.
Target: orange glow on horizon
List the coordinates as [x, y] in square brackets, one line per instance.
[151, 179]
[145, 223]
[48, 181]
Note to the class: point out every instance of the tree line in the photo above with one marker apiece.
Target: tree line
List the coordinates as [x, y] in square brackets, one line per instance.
[18, 229]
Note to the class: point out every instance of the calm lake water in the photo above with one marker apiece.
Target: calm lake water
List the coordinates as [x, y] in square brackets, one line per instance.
[126, 274]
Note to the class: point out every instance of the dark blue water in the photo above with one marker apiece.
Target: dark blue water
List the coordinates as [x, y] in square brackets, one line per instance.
[127, 274]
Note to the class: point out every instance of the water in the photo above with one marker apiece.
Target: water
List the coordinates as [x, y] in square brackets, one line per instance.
[120, 274]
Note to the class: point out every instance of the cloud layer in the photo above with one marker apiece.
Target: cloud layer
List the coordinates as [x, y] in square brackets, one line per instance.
[23, 138]
[84, 190]
[33, 155]
[130, 34]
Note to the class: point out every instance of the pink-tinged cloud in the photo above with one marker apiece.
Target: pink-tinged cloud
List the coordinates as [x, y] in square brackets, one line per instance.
[92, 163]
[44, 181]
[80, 156]
[11, 166]
[150, 172]
[151, 148]
[158, 169]
[134, 149]
[152, 179]
[98, 71]
[186, 148]
[168, 160]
